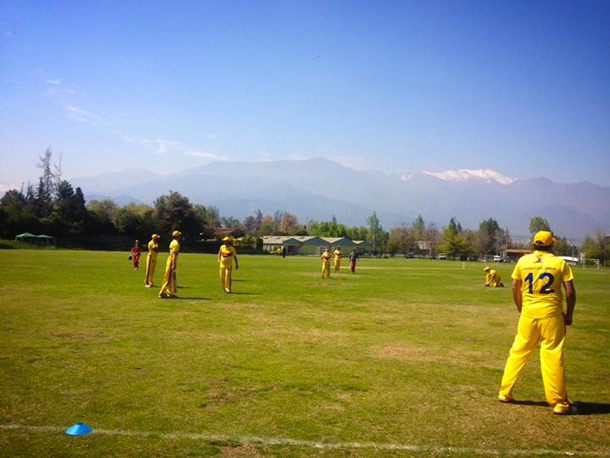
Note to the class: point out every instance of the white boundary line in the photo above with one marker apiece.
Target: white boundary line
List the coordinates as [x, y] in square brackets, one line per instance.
[313, 444]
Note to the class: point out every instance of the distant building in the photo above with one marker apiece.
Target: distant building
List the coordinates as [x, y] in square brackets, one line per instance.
[311, 244]
[273, 244]
[513, 254]
[362, 246]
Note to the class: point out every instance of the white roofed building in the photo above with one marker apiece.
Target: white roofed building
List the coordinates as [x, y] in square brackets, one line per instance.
[310, 244]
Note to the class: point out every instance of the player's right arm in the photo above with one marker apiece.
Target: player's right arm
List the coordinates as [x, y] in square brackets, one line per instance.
[517, 296]
[570, 299]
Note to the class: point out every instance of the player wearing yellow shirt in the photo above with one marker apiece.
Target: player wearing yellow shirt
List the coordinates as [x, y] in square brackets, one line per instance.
[169, 281]
[226, 254]
[337, 260]
[151, 260]
[537, 282]
[326, 257]
[493, 278]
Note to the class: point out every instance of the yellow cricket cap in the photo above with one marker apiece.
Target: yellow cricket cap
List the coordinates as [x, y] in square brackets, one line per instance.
[176, 234]
[226, 239]
[486, 269]
[156, 236]
[544, 238]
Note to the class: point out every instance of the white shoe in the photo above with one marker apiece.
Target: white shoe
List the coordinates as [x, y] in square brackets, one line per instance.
[503, 398]
[572, 410]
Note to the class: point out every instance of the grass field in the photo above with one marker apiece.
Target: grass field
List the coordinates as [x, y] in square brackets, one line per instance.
[402, 359]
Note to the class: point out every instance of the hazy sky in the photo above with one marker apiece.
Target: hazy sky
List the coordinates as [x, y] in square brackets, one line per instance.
[522, 87]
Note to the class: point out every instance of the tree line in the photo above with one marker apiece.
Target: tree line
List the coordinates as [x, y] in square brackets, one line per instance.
[55, 208]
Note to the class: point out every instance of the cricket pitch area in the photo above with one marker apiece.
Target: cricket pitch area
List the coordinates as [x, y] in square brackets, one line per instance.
[404, 358]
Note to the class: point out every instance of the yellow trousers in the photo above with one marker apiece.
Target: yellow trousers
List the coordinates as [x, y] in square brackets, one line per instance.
[337, 266]
[169, 280]
[225, 278]
[325, 270]
[151, 264]
[551, 333]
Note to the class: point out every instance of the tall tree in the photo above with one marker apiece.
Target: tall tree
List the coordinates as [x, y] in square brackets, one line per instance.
[399, 240]
[597, 247]
[13, 201]
[252, 224]
[453, 242]
[137, 221]
[175, 212]
[46, 185]
[289, 223]
[208, 218]
[375, 231]
[63, 201]
[432, 236]
[230, 222]
[563, 247]
[538, 223]
[47, 177]
[503, 240]
[418, 228]
[79, 208]
[102, 213]
[266, 227]
[487, 236]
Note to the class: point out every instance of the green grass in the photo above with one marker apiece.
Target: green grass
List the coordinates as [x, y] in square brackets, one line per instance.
[406, 352]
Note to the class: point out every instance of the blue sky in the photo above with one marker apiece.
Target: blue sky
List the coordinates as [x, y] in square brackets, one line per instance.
[397, 86]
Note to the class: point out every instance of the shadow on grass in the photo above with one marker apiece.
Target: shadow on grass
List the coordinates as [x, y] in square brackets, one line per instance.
[183, 298]
[592, 408]
[529, 403]
[584, 408]
[193, 298]
[243, 294]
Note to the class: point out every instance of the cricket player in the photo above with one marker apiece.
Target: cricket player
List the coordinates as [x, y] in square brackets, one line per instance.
[538, 279]
[337, 261]
[169, 281]
[326, 256]
[135, 255]
[493, 278]
[226, 254]
[353, 258]
[151, 260]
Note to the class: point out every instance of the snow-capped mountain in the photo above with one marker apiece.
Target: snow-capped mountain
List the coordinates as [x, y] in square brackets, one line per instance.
[319, 188]
[486, 175]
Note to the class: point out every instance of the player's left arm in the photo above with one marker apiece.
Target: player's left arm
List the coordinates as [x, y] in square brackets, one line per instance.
[571, 300]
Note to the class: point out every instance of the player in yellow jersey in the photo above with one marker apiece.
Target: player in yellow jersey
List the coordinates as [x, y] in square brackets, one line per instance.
[537, 282]
[226, 255]
[326, 256]
[169, 281]
[493, 278]
[337, 260]
[151, 260]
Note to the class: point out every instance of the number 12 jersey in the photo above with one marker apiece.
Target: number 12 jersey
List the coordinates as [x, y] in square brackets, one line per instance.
[542, 274]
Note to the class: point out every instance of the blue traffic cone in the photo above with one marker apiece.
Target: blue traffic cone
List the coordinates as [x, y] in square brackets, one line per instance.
[78, 429]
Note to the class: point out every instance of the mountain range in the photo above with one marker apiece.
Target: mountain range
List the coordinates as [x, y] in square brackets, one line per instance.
[319, 188]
